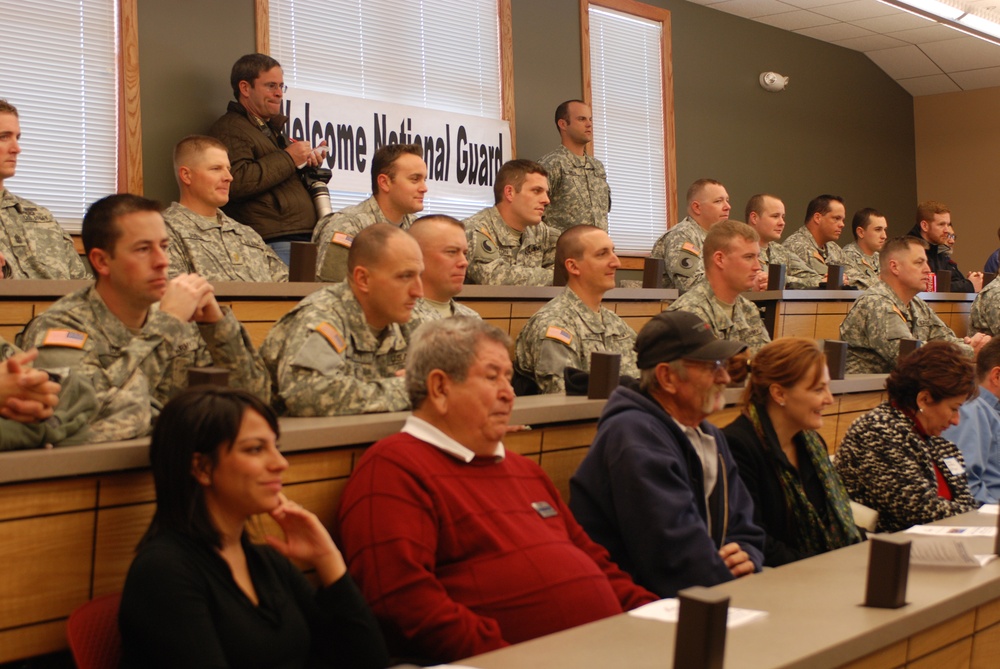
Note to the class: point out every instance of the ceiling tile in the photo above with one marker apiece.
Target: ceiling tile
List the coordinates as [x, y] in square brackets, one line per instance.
[835, 32]
[796, 20]
[810, 4]
[984, 78]
[856, 10]
[932, 33]
[904, 62]
[871, 43]
[967, 53]
[752, 8]
[895, 22]
[939, 83]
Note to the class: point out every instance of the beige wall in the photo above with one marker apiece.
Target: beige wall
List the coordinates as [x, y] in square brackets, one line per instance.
[957, 138]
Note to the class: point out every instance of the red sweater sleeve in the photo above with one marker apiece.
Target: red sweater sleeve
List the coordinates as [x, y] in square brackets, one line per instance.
[395, 566]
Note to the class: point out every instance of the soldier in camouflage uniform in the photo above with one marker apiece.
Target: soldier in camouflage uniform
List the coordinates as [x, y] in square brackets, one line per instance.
[985, 314]
[766, 214]
[870, 232]
[573, 325]
[508, 243]
[399, 182]
[444, 246]
[731, 268]
[135, 352]
[815, 243]
[32, 244]
[680, 246]
[340, 350]
[202, 238]
[578, 184]
[890, 311]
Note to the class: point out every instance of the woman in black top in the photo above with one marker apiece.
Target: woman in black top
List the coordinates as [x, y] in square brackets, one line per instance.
[799, 501]
[199, 593]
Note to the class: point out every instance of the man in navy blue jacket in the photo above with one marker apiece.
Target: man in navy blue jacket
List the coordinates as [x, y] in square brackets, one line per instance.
[659, 487]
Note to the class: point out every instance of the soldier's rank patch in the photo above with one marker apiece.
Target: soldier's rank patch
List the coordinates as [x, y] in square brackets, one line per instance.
[342, 239]
[332, 335]
[691, 248]
[559, 334]
[66, 338]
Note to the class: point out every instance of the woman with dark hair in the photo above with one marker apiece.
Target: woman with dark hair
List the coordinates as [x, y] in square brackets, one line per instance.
[199, 593]
[798, 498]
[893, 458]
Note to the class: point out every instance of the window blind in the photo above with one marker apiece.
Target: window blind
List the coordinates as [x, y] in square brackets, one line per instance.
[435, 54]
[58, 66]
[627, 103]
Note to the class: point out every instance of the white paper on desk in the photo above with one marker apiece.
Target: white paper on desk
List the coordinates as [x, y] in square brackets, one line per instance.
[990, 509]
[667, 611]
[952, 531]
[945, 552]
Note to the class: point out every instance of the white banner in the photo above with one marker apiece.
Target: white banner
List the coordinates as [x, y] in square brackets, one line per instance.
[463, 153]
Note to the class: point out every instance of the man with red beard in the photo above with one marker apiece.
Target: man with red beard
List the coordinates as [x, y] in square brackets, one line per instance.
[659, 488]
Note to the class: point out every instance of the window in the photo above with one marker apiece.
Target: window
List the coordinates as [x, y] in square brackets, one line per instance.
[421, 53]
[59, 64]
[631, 98]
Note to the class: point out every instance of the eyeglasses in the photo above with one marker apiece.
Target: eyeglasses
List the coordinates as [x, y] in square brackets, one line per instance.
[272, 87]
[712, 366]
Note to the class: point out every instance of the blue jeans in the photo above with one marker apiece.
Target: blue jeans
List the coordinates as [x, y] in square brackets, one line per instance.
[283, 245]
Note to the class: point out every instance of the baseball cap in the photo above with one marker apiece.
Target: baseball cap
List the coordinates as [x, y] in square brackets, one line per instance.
[673, 335]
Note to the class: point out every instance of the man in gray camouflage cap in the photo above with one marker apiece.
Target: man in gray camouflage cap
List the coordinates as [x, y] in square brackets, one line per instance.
[444, 246]
[342, 350]
[890, 311]
[815, 243]
[399, 183]
[731, 268]
[508, 243]
[766, 214]
[578, 184]
[32, 244]
[573, 325]
[203, 239]
[134, 334]
[680, 246]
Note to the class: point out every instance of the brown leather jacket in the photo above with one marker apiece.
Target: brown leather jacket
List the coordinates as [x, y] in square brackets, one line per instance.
[266, 192]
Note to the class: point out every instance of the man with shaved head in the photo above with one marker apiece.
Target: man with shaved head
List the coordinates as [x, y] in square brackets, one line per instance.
[341, 350]
[765, 213]
[444, 246]
[203, 239]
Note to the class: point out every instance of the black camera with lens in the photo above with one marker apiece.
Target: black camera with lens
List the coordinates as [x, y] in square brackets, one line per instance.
[315, 180]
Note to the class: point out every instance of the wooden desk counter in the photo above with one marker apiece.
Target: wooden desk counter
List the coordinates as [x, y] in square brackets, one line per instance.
[815, 621]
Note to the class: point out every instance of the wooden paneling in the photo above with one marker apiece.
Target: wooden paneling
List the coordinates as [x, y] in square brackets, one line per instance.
[986, 648]
[30, 641]
[317, 465]
[561, 465]
[570, 436]
[118, 533]
[956, 656]
[37, 499]
[988, 615]
[524, 442]
[888, 658]
[126, 488]
[941, 635]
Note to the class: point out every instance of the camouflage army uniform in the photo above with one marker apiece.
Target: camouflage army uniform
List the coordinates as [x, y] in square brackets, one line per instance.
[135, 373]
[33, 243]
[742, 324]
[333, 236]
[578, 188]
[985, 313]
[680, 248]
[798, 275]
[424, 311]
[563, 334]
[325, 361]
[500, 256]
[861, 270]
[876, 323]
[802, 244]
[219, 249]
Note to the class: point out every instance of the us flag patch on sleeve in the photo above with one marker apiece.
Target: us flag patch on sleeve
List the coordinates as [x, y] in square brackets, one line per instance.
[691, 248]
[332, 335]
[559, 334]
[67, 338]
[342, 239]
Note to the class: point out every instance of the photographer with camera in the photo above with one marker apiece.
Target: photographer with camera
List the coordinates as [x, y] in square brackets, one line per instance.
[202, 238]
[273, 177]
[399, 183]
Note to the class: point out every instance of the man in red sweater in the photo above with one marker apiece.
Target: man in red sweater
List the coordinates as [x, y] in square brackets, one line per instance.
[459, 546]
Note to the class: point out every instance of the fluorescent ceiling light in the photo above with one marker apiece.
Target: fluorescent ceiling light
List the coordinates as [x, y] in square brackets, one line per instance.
[959, 18]
[934, 7]
[980, 24]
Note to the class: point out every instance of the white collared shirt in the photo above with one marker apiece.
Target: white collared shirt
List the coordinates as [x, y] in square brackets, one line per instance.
[424, 431]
